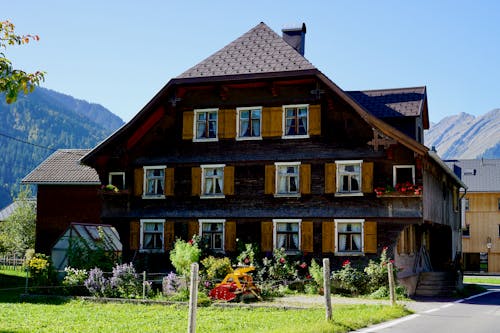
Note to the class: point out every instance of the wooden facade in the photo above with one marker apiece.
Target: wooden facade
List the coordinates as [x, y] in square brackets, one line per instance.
[282, 159]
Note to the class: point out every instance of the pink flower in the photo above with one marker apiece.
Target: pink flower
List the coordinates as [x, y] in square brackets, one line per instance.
[345, 263]
[190, 242]
[246, 261]
[282, 260]
[303, 265]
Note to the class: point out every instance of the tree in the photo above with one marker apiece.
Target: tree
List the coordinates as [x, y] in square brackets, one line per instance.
[17, 233]
[13, 81]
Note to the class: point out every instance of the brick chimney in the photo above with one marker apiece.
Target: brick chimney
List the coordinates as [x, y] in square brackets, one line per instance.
[295, 36]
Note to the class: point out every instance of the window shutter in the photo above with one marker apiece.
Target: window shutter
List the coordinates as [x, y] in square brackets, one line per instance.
[169, 182]
[227, 123]
[138, 181]
[328, 237]
[230, 236]
[169, 235]
[367, 177]
[315, 119]
[135, 230]
[187, 125]
[305, 178]
[193, 229]
[307, 240]
[330, 177]
[266, 237]
[229, 180]
[269, 179]
[370, 237]
[272, 121]
[196, 181]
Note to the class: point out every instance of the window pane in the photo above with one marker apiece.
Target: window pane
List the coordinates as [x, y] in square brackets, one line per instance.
[217, 241]
[244, 114]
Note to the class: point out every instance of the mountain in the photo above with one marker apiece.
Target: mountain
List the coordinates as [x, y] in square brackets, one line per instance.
[465, 136]
[46, 118]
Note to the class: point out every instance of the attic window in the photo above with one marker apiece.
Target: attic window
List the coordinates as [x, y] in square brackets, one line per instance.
[403, 174]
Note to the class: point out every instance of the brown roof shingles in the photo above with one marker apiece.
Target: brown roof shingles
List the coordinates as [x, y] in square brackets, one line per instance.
[260, 50]
[63, 167]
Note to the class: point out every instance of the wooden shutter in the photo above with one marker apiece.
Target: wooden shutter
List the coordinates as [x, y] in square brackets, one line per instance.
[305, 178]
[330, 177]
[169, 235]
[135, 235]
[229, 180]
[169, 182]
[266, 237]
[370, 237]
[367, 177]
[196, 181]
[315, 119]
[227, 123]
[272, 121]
[328, 237]
[138, 181]
[269, 179]
[187, 125]
[193, 229]
[230, 236]
[307, 239]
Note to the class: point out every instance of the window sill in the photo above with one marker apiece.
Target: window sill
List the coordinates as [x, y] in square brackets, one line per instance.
[213, 196]
[350, 254]
[248, 138]
[286, 137]
[348, 194]
[151, 251]
[144, 196]
[287, 195]
[206, 140]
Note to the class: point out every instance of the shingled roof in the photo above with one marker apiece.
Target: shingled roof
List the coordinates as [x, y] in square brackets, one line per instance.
[260, 50]
[63, 167]
[392, 103]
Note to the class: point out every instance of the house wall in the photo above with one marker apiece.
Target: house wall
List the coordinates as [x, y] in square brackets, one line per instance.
[483, 217]
[58, 206]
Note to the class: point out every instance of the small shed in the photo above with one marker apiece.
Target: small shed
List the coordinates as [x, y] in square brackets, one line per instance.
[92, 236]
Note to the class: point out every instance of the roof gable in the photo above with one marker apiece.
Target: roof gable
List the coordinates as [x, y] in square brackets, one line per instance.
[260, 50]
[63, 167]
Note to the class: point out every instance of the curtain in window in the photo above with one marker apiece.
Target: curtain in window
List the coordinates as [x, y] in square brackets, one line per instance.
[212, 125]
[302, 122]
[256, 123]
[244, 123]
[356, 242]
[342, 242]
[201, 126]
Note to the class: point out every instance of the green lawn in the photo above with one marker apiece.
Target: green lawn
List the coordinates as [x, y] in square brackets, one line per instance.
[482, 280]
[83, 316]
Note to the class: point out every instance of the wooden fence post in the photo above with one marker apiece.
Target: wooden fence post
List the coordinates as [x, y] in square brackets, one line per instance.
[390, 272]
[143, 284]
[326, 288]
[193, 298]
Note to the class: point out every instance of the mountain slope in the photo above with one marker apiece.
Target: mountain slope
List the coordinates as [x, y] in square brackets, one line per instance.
[464, 136]
[49, 119]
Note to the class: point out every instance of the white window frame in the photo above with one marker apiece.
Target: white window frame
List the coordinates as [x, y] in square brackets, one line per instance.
[117, 173]
[195, 129]
[211, 221]
[245, 138]
[339, 193]
[277, 179]
[402, 166]
[216, 195]
[349, 253]
[303, 136]
[157, 250]
[145, 182]
[275, 233]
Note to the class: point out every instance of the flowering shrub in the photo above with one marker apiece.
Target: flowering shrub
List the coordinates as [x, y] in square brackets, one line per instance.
[41, 270]
[350, 279]
[216, 268]
[183, 255]
[126, 282]
[247, 255]
[97, 284]
[74, 281]
[171, 284]
[377, 271]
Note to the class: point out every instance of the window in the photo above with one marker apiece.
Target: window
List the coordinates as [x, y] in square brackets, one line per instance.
[117, 179]
[152, 235]
[212, 182]
[466, 204]
[295, 121]
[466, 231]
[348, 177]
[287, 234]
[212, 233]
[287, 179]
[349, 236]
[205, 125]
[403, 174]
[249, 123]
[154, 182]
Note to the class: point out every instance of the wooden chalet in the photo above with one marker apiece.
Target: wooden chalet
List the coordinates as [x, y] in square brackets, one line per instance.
[255, 143]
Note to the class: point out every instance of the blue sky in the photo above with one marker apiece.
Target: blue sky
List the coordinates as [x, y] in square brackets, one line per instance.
[121, 53]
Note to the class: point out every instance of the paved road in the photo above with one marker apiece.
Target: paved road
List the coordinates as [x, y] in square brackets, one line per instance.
[476, 314]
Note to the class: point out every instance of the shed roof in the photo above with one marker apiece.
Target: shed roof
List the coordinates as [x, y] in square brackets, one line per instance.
[260, 50]
[481, 175]
[63, 167]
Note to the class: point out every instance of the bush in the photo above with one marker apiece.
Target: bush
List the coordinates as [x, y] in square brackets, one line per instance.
[216, 268]
[377, 272]
[183, 255]
[248, 254]
[97, 284]
[126, 282]
[41, 270]
[350, 279]
[74, 281]
[316, 272]
[171, 284]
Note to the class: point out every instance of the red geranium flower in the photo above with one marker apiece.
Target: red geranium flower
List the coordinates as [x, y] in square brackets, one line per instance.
[345, 263]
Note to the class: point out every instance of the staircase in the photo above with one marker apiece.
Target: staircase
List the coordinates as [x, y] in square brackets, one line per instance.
[436, 284]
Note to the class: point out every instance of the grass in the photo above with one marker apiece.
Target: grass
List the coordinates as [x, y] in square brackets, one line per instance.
[482, 280]
[75, 316]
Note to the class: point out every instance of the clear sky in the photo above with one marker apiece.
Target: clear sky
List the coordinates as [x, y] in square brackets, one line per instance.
[121, 53]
